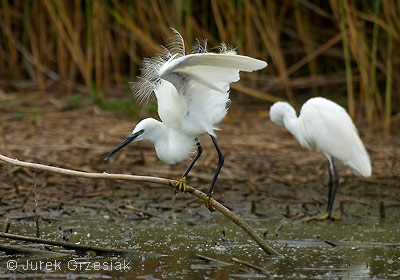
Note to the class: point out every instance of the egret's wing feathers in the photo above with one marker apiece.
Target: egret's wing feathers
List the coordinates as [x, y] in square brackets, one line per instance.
[208, 64]
[209, 69]
[225, 60]
[192, 90]
[150, 80]
[213, 70]
[202, 81]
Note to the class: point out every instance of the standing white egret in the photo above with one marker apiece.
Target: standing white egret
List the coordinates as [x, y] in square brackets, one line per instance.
[326, 127]
[192, 93]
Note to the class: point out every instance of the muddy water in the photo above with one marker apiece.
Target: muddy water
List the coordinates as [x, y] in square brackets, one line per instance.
[168, 249]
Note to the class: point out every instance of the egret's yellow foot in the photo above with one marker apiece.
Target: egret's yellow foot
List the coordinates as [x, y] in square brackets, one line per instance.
[209, 204]
[181, 185]
[323, 217]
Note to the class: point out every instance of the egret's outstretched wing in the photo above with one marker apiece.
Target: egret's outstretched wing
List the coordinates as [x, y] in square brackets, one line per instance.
[202, 84]
[192, 90]
[212, 70]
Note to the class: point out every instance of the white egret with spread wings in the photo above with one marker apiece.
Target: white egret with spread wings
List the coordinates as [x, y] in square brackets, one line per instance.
[192, 92]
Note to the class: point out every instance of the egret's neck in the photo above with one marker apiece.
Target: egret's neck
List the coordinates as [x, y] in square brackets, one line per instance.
[291, 124]
[156, 133]
[290, 121]
[297, 129]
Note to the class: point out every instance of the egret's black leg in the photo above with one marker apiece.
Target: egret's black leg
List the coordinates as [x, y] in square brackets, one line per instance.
[199, 152]
[217, 170]
[181, 185]
[335, 185]
[330, 185]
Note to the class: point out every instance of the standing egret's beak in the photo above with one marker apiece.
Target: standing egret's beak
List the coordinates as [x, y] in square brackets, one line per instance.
[128, 140]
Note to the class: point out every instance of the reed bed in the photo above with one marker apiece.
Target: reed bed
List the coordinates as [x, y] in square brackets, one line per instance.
[339, 49]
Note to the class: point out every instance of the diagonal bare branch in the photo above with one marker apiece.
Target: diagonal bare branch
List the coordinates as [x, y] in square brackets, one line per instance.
[163, 181]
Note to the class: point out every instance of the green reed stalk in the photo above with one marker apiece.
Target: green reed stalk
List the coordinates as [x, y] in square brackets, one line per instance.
[388, 93]
[188, 25]
[132, 44]
[346, 52]
[371, 90]
[89, 38]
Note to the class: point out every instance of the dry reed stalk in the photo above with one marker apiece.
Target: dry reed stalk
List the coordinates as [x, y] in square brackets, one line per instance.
[269, 32]
[255, 93]
[250, 34]
[218, 20]
[312, 55]
[302, 23]
[38, 61]
[359, 49]
[89, 18]
[65, 30]
[101, 43]
[123, 17]
[388, 93]
[12, 51]
[340, 9]
[372, 81]
[231, 21]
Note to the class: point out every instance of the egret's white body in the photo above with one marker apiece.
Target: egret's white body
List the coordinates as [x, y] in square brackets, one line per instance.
[192, 93]
[326, 127]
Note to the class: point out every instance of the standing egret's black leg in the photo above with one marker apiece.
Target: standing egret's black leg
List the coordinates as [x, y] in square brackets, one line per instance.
[334, 183]
[217, 170]
[330, 184]
[181, 185]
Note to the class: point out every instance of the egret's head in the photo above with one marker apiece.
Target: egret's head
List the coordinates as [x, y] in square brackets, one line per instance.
[279, 111]
[145, 130]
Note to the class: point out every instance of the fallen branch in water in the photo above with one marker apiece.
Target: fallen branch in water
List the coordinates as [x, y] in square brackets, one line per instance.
[212, 260]
[69, 245]
[253, 266]
[218, 206]
[15, 249]
[142, 212]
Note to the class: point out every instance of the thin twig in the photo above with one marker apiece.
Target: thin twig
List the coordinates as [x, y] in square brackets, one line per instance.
[37, 218]
[212, 260]
[143, 212]
[258, 268]
[218, 206]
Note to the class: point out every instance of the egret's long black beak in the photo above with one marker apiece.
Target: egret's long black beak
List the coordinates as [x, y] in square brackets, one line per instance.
[128, 140]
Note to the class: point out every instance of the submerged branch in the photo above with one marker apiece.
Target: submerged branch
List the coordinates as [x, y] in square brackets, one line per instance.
[253, 266]
[68, 245]
[218, 206]
[15, 249]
